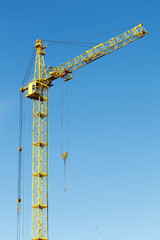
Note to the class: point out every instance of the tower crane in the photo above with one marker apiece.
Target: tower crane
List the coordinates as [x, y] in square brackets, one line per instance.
[37, 90]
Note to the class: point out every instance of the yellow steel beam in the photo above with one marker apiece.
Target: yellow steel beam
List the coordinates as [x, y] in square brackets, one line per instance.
[96, 52]
[38, 91]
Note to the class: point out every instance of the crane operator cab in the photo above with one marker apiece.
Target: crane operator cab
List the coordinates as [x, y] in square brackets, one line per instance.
[36, 91]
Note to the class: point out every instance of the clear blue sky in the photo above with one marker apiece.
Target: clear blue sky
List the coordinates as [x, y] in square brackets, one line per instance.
[113, 180]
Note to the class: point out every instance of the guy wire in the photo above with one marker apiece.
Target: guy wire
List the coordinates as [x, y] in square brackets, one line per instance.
[99, 34]
[61, 115]
[86, 44]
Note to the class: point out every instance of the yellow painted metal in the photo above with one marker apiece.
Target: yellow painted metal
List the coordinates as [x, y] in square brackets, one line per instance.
[64, 155]
[38, 91]
[96, 52]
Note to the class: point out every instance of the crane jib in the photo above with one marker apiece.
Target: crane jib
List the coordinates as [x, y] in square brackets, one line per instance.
[98, 51]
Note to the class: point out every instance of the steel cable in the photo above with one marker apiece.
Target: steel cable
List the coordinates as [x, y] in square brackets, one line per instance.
[74, 42]
[19, 165]
[23, 169]
[29, 68]
[28, 166]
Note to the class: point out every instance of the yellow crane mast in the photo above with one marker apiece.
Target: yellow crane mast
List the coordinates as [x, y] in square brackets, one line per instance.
[38, 91]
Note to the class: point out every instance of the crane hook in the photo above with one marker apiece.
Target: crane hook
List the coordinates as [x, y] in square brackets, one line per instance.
[64, 157]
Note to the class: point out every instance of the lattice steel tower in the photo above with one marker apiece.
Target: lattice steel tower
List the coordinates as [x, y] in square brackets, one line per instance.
[38, 91]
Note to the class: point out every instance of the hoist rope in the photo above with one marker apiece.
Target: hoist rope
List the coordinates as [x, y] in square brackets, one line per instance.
[23, 169]
[19, 165]
[66, 135]
[20, 144]
[64, 128]
[20, 162]
[18, 225]
[28, 166]
[61, 115]
[20, 156]
[67, 115]
[65, 175]
[29, 68]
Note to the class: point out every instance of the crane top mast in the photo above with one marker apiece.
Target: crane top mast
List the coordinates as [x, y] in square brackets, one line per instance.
[39, 47]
